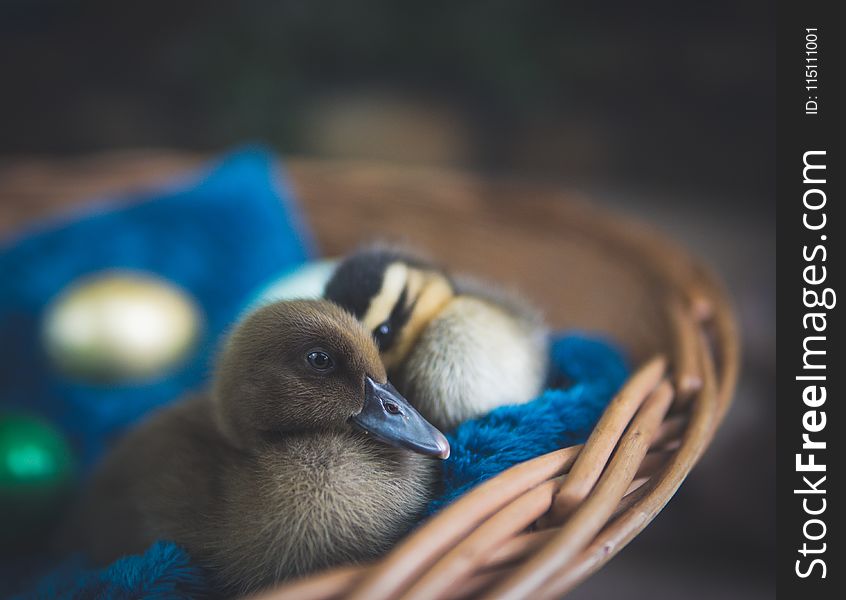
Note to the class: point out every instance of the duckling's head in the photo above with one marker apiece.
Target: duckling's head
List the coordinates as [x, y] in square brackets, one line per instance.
[309, 366]
[393, 293]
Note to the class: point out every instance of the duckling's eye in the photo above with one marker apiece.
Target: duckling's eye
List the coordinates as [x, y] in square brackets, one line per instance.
[391, 407]
[383, 335]
[320, 360]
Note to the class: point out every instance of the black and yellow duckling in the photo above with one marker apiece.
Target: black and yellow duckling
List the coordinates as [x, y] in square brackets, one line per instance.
[302, 456]
[455, 347]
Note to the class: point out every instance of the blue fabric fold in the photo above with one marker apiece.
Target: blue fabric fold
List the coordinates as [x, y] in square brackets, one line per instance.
[219, 235]
[163, 572]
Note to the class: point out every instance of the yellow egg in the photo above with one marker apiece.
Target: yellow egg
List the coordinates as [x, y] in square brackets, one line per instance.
[120, 325]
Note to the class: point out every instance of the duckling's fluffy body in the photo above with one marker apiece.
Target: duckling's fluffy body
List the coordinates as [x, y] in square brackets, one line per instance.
[303, 504]
[255, 506]
[471, 358]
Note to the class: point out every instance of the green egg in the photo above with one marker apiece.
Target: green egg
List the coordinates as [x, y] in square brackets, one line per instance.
[36, 470]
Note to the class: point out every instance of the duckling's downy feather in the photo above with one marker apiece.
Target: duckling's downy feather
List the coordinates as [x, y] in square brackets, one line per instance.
[449, 380]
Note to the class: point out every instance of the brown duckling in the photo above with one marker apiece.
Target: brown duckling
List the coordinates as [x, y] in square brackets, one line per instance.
[303, 456]
[455, 346]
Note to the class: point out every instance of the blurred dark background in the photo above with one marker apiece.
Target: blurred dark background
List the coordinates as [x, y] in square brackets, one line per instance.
[664, 110]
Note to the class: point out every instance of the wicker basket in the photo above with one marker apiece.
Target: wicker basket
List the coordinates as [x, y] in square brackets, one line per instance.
[543, 526]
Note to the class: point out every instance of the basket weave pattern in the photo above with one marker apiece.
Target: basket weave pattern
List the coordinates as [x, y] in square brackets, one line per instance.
[543, 526]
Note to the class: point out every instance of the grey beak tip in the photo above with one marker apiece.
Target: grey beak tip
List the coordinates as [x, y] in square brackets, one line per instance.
[443, 447]
[406, 428]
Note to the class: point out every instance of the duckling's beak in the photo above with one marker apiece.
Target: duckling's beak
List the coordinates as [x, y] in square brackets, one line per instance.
[389, 417]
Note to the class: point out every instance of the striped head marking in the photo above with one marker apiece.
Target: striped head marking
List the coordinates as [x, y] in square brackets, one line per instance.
[393, 295]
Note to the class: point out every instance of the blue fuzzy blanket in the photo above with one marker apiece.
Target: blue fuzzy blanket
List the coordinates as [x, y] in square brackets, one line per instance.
[244, 230]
